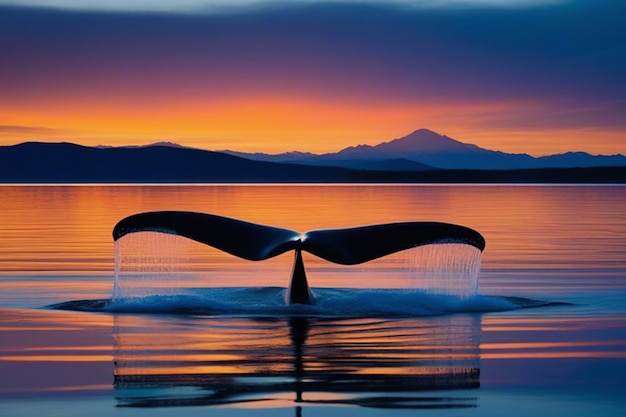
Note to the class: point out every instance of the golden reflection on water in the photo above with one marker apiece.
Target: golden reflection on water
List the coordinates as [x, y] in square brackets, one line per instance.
[556, 337]
[61, 230]
[222, 361]
[56, 245]
[194, 360]
[52, 352]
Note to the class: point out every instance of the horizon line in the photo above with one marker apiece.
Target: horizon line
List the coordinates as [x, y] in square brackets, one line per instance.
[172, 144]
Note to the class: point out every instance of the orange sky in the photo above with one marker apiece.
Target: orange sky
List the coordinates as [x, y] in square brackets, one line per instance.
[277, 124]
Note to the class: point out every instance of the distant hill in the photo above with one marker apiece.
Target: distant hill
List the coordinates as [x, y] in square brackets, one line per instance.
[391, 164]
[281, 157]
[34, 162]
[433, 151]
[365, 163]
[66, 162]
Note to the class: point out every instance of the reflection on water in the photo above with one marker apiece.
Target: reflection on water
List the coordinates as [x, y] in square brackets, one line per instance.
[558, 243]
[282, 361]
[61, 230]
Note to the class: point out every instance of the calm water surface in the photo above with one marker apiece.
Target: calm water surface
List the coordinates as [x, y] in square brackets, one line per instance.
[560, 244]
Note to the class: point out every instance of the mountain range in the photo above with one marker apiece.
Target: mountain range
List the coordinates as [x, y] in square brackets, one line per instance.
[427, 150]
[67, 162]
[422, 156]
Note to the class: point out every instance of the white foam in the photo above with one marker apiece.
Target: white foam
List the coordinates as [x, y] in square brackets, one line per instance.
[334, 302]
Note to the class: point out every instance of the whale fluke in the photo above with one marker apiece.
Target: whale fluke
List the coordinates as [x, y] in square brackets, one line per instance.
[257, 242]
[361, 244]
[250, 241]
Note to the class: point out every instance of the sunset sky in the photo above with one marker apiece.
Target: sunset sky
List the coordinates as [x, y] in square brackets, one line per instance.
[535, 76]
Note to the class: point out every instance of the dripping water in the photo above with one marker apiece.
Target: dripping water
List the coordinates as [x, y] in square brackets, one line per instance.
[159, 264]
[448, 269]
[150, 263]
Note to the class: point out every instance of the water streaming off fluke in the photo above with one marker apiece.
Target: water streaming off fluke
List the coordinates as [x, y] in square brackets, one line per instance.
[156, 264]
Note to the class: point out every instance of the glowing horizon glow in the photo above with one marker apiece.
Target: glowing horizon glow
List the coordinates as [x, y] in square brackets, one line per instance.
[290, 124]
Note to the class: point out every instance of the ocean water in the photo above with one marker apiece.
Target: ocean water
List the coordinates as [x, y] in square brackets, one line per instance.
[539, 328]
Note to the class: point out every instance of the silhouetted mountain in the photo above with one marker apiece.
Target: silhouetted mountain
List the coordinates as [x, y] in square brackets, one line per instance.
[393, 164]
[440, 151]
[281, 157]
[163, 143]
[581, 159]
[422, 141]
[432, 150]
[436, 150]
[66, 162]
[371, 164]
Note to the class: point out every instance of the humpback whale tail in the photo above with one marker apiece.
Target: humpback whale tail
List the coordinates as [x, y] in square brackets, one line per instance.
[257, 242]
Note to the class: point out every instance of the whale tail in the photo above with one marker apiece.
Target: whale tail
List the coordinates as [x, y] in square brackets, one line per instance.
[257, 242]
